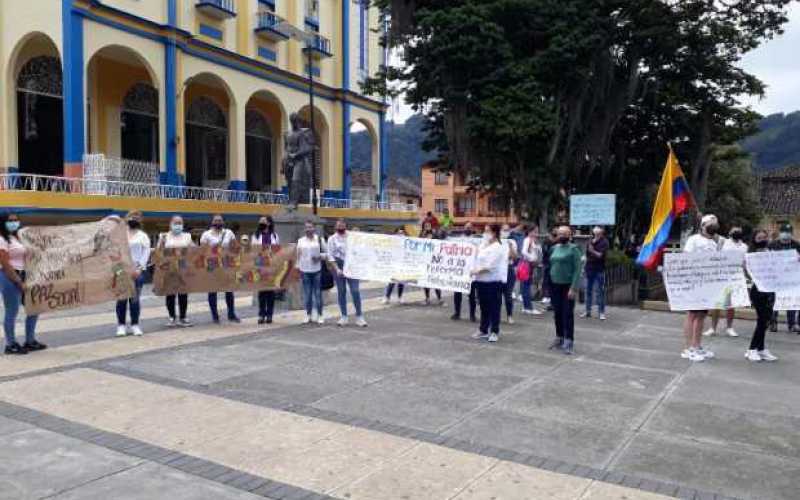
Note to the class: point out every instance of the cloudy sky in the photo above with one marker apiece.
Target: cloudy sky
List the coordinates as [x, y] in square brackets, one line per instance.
[777, 64]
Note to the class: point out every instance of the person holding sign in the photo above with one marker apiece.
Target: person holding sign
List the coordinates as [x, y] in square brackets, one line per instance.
[763, 303]
[565, 277]
[387, 297]
[265, 236]
[176, 237]
[786, 242]
[428, 231]
[139, 243]
[734, 243]
[218, 236]
[311, 255]
[12, 284]
[596, 252]
[337, 254]
[458, 297]
[489, 272]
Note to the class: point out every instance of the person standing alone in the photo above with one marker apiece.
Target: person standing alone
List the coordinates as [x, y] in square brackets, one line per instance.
[565, 277]
[337, 255]
[596, 252]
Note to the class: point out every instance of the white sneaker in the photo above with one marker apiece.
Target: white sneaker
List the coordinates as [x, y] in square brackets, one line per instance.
[479, 335]
[307, 320]
[546, 300]
[767, 356]
[706, 353]
[527, 311]
[493, 337]
[752, 355]
[136, 330]
[586, 315]
[536, 312]
[685, 353]
[171, 323]
[122, 331]
[400, 300]
[314, 317]
[709, 333]
[360, 321]
[731, 332]
[510, 320]
[385, 300]
[695, 356]
[343, 321]
[321, 320]
[602, 317]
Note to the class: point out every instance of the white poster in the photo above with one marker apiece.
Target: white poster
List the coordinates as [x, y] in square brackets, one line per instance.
[442, 264]
[787, 300]
[774, 271]
[705, 280]
[592, 209]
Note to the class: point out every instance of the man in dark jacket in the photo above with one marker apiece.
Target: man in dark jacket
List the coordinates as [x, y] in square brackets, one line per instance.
[595, 268]
[786, 242]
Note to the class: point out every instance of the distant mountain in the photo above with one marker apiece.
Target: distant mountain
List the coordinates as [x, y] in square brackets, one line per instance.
[405, 149]
[777, 144]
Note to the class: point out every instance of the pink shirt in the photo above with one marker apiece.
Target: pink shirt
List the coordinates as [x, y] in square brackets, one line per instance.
[16, 252]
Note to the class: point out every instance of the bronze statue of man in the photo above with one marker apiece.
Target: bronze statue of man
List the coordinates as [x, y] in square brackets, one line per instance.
[298, 145]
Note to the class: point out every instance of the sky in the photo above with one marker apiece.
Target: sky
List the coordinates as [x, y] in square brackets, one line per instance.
[776, 63]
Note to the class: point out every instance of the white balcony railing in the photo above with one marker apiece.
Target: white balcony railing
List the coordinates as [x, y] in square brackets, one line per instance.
[112, 188]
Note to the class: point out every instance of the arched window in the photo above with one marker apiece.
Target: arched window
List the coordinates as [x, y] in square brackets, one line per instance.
[258, 137]
[40, 116]
[139, 123]
[206, 142]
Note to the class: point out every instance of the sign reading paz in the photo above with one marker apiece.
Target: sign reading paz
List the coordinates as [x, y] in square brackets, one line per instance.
[592, 209]
[777, 272]
[76, 265]
[705, 280]
[215, 269]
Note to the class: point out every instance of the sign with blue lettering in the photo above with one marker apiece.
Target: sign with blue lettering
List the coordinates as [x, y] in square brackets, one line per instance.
[592, 209]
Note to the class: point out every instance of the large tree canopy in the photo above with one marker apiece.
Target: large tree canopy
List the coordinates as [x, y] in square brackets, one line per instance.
[540, 97]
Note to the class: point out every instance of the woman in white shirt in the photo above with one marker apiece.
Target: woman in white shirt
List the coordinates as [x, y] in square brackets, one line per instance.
[489, 273]
[176, 237]
[12, 279]
[311, 255]
[139, 244]
[220, 236]
[531, 253]
[734, 243]
[265, 236]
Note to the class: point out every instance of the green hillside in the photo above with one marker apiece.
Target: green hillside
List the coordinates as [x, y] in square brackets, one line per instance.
[777, 144]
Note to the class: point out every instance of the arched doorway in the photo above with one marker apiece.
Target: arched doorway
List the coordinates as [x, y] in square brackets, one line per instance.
[206, 142]
[258, 145]
[139, 123]
[363, 161]
[40, 124]
[321, 139]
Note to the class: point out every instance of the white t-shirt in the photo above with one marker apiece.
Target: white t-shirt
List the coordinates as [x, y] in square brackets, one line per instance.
[309, 255]
[337, 247]
[699, 243]
[531, 251]
[256, 239]
[732, 246]
[171, 240]
[213, 238]
[493, 258]
[140, 248]
[16, 252]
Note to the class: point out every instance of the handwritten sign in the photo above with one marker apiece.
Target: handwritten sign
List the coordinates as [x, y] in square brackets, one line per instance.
[76, 265]
[705, 280]
[774, 271]
[207, 269]
[443, 264]
[592, 209]
[787, 300]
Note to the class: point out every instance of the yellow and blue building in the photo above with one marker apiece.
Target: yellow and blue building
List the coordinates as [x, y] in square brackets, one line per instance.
[200, 91]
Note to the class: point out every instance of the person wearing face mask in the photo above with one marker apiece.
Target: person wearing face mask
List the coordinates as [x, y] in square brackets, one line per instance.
[458, 297]
[734, 243]
[531, 252]
[387, 297]
[139, 244]
[430, 232]
[12, 280]
[707, 240]
[219, 236]
[337, 255]
[784, 241]
[311, 256]
[511, 272]
[596, 252]
[547, 245]
[489, 273]
[176, 237]
[265, 236]
[565, 277]
[763, 303]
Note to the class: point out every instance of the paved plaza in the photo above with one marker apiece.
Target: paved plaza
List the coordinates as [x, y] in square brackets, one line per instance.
[410, 408]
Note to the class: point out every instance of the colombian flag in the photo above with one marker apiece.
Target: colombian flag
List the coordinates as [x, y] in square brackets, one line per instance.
[673, 199]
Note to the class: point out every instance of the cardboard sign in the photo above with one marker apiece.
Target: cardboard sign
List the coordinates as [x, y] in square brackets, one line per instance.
[215, 269]
[705, 280]
[592, 209]
[774, 271]
[76, 265]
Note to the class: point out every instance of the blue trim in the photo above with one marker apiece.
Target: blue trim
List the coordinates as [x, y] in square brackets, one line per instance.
[210, 32]
[384, 157]
[236, 185]
[315, 70]
[12, 170]
[171, 114]
[172, 13]
[268, 3]
[267, 54]
[106, 212]
[346, 45]
[328, 193]
[74, 102]
[312, 22]
[362, 27]
[219, 5]
[347, 174]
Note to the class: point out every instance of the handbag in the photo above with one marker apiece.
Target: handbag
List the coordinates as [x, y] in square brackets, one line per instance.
[523, 270]
[326, 278]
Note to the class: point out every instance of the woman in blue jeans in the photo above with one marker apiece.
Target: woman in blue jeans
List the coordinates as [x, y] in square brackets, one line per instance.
[12, 279]
[311, 256]
[139, 244]
[337, 255]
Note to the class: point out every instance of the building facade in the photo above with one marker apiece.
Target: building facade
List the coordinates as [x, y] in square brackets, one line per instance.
[188, 93]
[449, 191]
[780, 199]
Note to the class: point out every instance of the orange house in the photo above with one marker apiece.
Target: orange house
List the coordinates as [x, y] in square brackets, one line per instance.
[449, 190]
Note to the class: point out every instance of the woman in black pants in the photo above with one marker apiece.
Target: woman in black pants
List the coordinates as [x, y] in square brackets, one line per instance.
[565, 274]
[265, 236]
[763, 303]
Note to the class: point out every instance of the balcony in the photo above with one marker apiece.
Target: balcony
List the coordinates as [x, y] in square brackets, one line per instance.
[270, 26]
[218, 9]
[318, 46]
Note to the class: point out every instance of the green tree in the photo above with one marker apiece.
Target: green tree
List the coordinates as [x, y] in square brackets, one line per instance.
[733, 189]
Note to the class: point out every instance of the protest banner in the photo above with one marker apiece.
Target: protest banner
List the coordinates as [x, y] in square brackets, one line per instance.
[787, 300]
[592, 209]
[215, 269]
[428, 263]
[705, 280]
[76, 265]
[774, 271]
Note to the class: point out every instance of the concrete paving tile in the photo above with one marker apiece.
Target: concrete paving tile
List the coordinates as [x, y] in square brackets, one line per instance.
[510, 481]
[427, 471]
[742, 474]
[605, 491]
[737, 394]
[10, 426]
[613, 377]
[639, 358]
[151, 481]
[747, 427]
[36, 463]
[563, 441]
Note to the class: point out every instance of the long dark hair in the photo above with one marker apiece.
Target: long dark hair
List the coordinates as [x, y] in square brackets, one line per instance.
[4, 232]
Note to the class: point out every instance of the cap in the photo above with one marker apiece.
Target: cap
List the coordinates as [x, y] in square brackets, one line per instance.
[708, 219]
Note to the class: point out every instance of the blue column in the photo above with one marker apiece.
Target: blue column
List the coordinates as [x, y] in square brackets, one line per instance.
[74, 100]
[171, 90]
[384, 154]
[346, 177]
[347, 180]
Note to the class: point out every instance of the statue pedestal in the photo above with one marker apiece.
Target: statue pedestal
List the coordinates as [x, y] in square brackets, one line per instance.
[290, 226]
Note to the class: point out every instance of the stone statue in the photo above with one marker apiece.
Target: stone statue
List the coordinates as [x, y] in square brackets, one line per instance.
[298, 146]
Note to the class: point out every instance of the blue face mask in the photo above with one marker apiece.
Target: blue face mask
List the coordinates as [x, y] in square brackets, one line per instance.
[176, 228]
[12, 226]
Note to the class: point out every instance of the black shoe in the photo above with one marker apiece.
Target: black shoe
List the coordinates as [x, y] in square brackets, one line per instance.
[473, 319]
[234, 319]
[568, 347]
[773, 326]
[455, 317]
[269, 320]
[262, 320]
[557, 343]
[215, 320]
[34, 346]
[15, 349]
